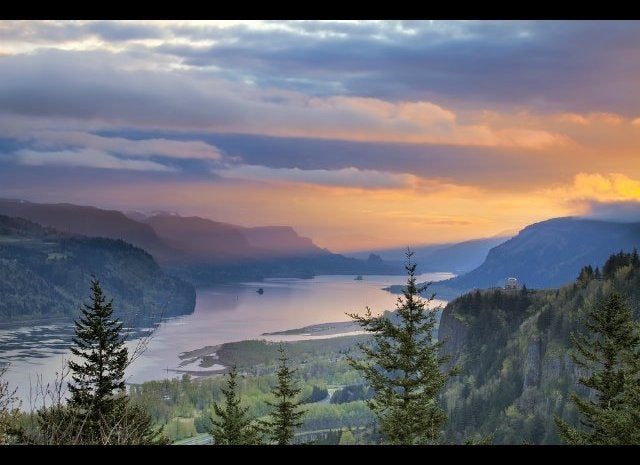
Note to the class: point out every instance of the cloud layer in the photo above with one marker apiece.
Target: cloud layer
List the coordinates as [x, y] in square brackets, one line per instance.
[499, 123]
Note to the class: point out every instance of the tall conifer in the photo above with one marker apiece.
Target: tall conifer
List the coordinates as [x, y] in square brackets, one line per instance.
[98, 375]
[611, 356]
[403, 366]
[287, 413]
[232, 426]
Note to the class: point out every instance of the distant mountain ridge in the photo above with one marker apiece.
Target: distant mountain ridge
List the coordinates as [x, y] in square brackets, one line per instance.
[281, 241]
[459, 257]
[552, 252]
[168, 237]
[201, 250]
[223, 252]
[548, 254]
[90, 221]
[203, 239]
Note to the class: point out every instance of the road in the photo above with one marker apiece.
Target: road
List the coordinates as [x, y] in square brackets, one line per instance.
[197, 441]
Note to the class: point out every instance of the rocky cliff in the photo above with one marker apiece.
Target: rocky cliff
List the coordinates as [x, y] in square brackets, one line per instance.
[513, 348]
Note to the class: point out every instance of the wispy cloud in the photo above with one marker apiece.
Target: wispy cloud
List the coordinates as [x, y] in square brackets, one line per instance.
[157, 147]
[345, 177]
[87, 158]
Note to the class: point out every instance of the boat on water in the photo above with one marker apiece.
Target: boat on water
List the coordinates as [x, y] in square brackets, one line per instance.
[358, 278]
[260, 291]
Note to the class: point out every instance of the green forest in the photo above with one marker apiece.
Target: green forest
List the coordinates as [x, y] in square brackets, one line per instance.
[513, 350]
[45, 273]
[505, 361]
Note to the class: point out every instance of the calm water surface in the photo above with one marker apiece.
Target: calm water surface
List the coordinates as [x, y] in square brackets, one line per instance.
[223, 313]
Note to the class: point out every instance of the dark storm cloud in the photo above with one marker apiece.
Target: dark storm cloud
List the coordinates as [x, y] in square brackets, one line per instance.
[101, 88]
[570, 65]
[468, 165]
[577, 66]
[89, 85]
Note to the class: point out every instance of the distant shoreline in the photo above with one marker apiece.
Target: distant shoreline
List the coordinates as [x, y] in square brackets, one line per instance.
[214, 355]
[321, 329]
[40, 321]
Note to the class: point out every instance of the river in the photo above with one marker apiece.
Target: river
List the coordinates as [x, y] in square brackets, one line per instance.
[223, 313]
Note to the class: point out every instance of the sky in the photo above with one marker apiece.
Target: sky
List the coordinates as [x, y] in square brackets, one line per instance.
[359, 134]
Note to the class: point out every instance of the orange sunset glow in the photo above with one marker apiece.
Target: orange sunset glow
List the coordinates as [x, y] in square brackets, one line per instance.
[440, 132]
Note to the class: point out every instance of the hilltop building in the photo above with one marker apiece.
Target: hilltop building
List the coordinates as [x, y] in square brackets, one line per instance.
[511, 284]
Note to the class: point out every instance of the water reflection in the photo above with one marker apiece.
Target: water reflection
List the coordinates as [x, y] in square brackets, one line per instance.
[223, 313]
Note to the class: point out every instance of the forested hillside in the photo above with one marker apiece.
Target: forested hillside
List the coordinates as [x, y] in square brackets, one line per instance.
[45, 273]
[513, 348]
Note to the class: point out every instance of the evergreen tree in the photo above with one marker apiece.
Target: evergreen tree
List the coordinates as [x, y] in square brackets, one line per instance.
[232, 426]
[98, 411]
[287, 412]
[611, 354]
[98, 378]
[403, 367]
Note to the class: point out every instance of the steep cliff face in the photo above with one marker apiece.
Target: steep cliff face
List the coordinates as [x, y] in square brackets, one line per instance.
[513, 349]
[532, 367]
[453, 332]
